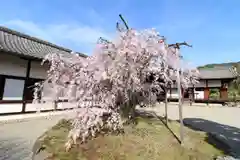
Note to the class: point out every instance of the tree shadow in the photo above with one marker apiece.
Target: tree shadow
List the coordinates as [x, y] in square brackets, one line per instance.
[223, 137]
[152, 115]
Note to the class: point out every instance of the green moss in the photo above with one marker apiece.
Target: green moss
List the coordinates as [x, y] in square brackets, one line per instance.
[149, 139]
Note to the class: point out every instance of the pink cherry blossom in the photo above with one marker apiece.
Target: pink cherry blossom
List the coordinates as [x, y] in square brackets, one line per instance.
[101, 84]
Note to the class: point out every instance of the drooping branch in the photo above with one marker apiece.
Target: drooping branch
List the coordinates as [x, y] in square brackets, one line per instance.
[117, 68]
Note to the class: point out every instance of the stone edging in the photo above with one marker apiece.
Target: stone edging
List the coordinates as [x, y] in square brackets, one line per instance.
[24, 119]
[34, 116]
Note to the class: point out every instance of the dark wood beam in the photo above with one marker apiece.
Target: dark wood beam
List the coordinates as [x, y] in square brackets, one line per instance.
[12, 77]
[25, 86]
[2, 84]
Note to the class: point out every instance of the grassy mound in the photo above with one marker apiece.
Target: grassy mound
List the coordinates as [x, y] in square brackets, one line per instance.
[149, 139]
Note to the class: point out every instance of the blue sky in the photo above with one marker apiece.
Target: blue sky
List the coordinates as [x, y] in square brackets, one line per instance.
[211, 26]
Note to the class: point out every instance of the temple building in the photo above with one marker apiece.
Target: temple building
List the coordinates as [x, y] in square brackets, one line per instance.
[20, 68]
[217, 78]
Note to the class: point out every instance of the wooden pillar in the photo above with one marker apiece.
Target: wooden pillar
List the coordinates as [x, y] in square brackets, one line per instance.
[193, 93]
[206, 91]
[223, 91]
[25, 86]
[2, 84]
[223, 94]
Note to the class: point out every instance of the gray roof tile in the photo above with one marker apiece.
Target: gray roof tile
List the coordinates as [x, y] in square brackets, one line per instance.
[27, 46]
[216, 73]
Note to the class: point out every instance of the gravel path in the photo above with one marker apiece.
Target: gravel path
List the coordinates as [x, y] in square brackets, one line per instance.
[221, 122]
[223, 115]
[17, 138]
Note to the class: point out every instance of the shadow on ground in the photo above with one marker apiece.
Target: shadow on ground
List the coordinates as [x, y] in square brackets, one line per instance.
[224, 137]
[151, 115]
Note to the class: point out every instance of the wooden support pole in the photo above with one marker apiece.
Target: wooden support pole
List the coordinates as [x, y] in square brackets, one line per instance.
[177, 47]
[125, 23]
[180, 103]
[180, 107]
[166, 107]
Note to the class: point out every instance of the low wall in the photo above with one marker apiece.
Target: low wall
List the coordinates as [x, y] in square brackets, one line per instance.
[38, 106]
[216, 101]
[30, 107]
[10, 108]
[6, 108]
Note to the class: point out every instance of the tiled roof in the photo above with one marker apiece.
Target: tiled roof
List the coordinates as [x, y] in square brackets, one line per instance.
[223, 72]
[24, 45]
[216, 73]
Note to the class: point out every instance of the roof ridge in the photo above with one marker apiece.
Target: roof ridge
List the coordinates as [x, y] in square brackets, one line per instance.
[216, 68]
[23, 35]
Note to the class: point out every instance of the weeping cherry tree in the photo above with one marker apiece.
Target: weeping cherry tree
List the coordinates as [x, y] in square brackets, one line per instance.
[101, 85]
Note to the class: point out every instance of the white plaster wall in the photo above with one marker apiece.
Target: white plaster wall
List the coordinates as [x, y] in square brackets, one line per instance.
[37, 70]
[39, 106]
[174, 94]
[10, 108]
[12, 65]
[199, 94]
[66, 105]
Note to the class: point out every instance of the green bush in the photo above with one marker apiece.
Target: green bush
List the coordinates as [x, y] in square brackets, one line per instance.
[214, 93]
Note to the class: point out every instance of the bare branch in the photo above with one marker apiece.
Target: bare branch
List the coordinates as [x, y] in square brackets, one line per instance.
[177, 45]
[125, 23]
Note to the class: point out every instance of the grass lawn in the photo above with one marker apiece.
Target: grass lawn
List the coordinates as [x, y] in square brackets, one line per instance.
[149, 139]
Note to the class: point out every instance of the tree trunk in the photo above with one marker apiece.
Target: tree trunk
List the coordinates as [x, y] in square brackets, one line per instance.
[128, 109]
[55, 105]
